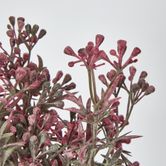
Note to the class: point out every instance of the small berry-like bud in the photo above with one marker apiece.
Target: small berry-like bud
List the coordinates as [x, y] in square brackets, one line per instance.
[25, 56]
[20, 74]
[10, 33]
[113, 52]
[69, 51]
[99, 40]
[42, 33]
[103, 79]
[121, 47]
[66, 79]
[150, 90]
[135, 52]
[57, 77]
[111, 74]
[143, 75]
[70, 86]
[71, 64]
[28, 28]
[132, 71]
[12, 20]
[35, 29]
[20, 22]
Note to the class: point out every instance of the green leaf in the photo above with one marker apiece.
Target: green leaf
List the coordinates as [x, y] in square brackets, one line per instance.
[2, 129]
[7, 153]
[6, 136]
[9, 149]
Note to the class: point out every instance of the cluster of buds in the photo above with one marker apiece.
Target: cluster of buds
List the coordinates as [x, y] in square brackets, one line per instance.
[31, 130]
[104, 115]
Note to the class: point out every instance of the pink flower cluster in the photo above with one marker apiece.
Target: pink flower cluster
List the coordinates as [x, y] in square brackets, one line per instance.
[31, 130]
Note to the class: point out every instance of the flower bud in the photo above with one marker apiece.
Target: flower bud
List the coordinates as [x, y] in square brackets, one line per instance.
[25, 56]
[82, 52]
[70, 86]
[99, 39]
[66, 79]
[121, 47]
[135, 52]
[143, 75]
[12, 20]
[113, 52]
[136, 163]
[58, 77]
[28, 28]
[111, 74]
[132, 71]
[42, 33]
[150, 90]
[34, 29]
[20, 22]
[71, 64]
[141, 82]
[20, 74]
[103, 79]
[69, 51]
[10, 33]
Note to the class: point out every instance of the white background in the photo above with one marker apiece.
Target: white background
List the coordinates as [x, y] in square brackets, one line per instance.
[74, 22]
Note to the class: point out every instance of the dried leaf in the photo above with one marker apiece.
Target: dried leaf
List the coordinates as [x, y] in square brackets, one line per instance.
[40, 63]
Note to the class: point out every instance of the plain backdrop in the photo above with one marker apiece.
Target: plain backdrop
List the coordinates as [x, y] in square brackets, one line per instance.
[74, 22]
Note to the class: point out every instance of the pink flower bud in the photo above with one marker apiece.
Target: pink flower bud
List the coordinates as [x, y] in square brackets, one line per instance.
[82, 53]
[103, 79]
[150, 90]
[42, 33]
[69, 51]
[89, 46]
[57, 77]
[70, 86]
[121, 47]
[136, 163]
[135, 52]
[12, 20]
[113, 52]
[66, 79]
[111, 74]
[20, 74]
[99, 40]
[71, 64]
[143, 75]
[25, 56]
[20, 22]
[132, 71]
[10, 33]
